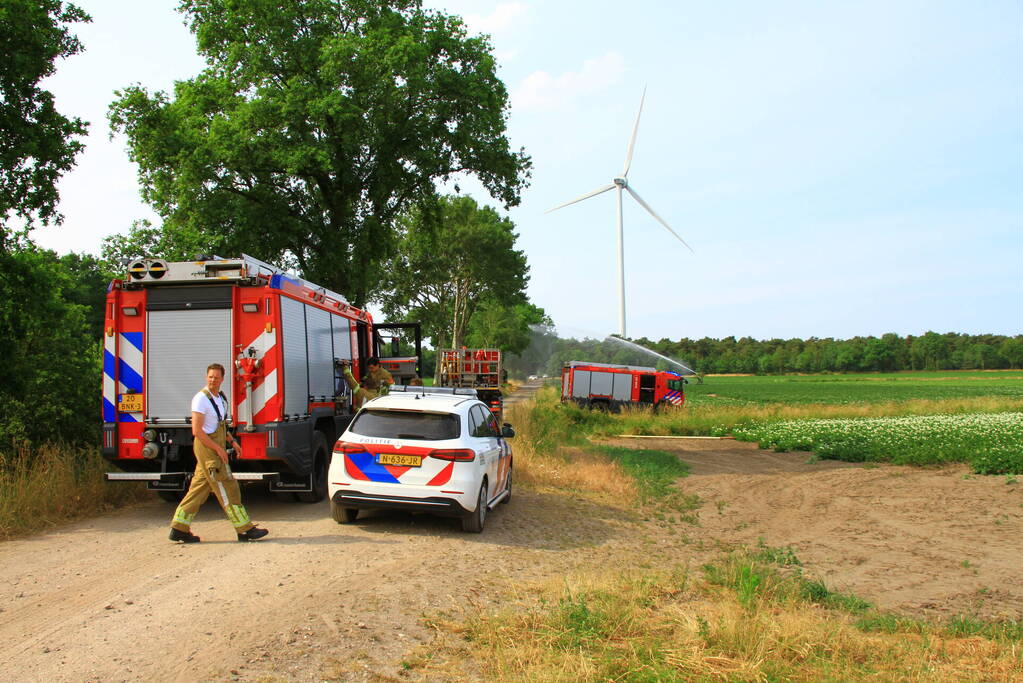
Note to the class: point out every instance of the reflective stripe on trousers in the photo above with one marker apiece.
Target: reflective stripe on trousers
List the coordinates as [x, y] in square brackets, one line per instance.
[212, 475]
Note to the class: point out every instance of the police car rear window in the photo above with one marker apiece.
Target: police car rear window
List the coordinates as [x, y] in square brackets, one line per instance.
[406, 424]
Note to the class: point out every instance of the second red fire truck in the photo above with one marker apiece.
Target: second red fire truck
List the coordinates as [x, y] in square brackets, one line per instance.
[600, 385]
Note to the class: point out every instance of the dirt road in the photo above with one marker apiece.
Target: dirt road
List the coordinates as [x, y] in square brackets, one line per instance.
[112, 599]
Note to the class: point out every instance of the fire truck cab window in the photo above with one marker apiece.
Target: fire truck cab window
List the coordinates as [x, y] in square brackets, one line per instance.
[394, 424]
[676, 384]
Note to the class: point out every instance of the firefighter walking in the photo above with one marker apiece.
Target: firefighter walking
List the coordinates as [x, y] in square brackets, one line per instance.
[212, 472]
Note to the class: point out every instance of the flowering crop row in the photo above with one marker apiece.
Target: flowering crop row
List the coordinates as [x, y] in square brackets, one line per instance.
[991, 442]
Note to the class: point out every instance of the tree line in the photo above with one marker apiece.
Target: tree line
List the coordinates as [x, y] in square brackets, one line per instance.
[887, 353]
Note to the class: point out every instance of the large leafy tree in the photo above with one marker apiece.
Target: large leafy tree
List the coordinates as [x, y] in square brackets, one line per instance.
[49, 323]
[450, 262]
[315, 124]
[37, 143]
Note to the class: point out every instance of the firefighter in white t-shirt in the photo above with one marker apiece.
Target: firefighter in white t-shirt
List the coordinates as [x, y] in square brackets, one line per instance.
[210, 439]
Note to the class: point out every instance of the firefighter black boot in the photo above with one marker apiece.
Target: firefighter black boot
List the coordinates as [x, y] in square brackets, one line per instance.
[183, 536]
[252, 534]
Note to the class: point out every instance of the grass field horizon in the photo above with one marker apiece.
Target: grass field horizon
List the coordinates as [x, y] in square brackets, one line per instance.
[858, 387]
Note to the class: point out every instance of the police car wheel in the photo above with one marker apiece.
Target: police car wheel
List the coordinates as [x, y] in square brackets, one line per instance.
[343, 515]
[473, 522]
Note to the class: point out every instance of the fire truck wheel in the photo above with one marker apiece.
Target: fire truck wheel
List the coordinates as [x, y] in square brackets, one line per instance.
[171, 496]
[343, 515]
[319, 491]
[473, 522]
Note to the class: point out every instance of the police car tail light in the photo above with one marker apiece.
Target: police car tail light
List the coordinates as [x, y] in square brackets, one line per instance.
[347, 447]
[454, 454]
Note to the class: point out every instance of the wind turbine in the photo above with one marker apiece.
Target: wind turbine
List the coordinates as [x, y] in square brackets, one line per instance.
[622, 183]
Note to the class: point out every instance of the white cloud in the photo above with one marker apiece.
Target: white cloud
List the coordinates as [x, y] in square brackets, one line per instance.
[504, 16]
[542, 90]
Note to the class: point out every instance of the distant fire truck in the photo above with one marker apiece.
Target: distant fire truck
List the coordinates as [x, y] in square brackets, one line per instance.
[479, 369]
[282, 340]
[600, 385]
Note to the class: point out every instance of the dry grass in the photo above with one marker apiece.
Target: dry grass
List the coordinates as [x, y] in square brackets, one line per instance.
[672, 626]
[548, 458]
[578, 471]
[43, 487]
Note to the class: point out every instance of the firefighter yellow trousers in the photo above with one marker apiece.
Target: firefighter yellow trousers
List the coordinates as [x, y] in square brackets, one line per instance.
[212, 474]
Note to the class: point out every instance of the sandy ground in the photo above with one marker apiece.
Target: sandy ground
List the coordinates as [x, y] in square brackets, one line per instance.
[933, 542]
[111, 599]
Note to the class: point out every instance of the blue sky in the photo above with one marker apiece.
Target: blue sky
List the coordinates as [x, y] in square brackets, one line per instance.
[840, 169]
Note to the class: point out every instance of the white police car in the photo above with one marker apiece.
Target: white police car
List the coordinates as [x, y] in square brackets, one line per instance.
[425, 449]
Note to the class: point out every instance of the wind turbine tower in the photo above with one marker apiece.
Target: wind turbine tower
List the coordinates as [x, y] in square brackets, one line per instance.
[620, 183]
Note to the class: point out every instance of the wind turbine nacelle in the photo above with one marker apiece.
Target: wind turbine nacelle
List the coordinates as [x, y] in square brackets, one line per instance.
[621, 182]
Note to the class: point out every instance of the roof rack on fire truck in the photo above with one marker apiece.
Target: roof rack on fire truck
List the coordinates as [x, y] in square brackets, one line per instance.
[206, 269]
[638, 368]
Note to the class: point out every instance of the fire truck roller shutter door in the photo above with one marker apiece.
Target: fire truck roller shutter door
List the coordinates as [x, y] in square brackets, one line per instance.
[622, 386]
[581, 384]
[601, 383]
[342, 330]
[296, 372]
[321, 354]
[180, 345]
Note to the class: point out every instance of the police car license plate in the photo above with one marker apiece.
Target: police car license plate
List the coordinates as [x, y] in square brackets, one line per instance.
[400, 460]
[130, 403]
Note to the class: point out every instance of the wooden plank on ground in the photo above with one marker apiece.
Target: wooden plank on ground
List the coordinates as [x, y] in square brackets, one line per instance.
[652, 436]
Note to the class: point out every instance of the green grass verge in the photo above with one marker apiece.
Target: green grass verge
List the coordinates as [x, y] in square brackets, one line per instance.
[655, 471]
[857, 388]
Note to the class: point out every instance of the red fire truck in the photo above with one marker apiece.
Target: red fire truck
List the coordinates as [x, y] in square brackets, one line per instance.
[282, 340]
[605, 386]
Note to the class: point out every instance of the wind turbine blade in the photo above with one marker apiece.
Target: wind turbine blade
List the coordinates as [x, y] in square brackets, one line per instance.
[632, 140]
[585, 196]
[654, 214]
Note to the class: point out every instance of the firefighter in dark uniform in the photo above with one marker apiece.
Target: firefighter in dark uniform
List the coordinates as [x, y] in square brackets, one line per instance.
[376, 382]
[212, 472]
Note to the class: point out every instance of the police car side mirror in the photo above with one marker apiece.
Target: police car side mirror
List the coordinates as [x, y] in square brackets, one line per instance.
[507, 431]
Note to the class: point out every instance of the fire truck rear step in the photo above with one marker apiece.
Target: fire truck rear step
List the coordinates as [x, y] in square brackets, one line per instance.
[178, 481]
